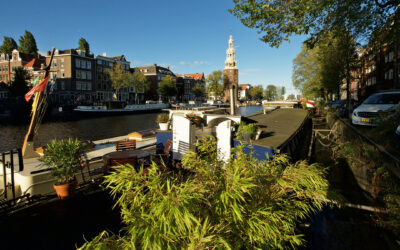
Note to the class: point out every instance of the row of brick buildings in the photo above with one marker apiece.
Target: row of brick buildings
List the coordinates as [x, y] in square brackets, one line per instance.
[378, 70]
[83, 78]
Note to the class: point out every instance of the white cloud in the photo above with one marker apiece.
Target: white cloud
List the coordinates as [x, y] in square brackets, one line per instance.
[166, 65]
[193, 63]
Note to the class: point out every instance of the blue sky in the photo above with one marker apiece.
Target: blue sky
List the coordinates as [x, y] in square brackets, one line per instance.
[189, 36]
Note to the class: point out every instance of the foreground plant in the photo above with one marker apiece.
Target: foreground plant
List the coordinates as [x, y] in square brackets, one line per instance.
[244, 203]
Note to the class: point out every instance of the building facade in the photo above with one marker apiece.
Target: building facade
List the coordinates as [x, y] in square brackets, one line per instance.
[244, 91]
[74, 72]
[9, 62]
[104, 87]
[231, 72]
[155, 74]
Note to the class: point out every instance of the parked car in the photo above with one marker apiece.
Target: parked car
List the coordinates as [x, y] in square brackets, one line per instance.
[337, 104]
[373, 106]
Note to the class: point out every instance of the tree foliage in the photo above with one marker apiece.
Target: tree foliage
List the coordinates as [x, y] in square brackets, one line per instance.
[19, 86]
[216, 82]
[118, 76]
[208, 204]
[8, 45]
[139, 81]
[257, 92]
[27, 44]
[278, 20]
[198, 90]
[320, 70]
[270, 92]
[84, 45]
[168, 87]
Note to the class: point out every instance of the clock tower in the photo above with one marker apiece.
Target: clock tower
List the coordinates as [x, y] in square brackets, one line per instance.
[231, 73]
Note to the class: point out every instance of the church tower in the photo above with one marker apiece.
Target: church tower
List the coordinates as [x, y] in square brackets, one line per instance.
[231, 72]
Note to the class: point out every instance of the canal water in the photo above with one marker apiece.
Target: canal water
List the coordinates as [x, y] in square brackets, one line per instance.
[12, 136]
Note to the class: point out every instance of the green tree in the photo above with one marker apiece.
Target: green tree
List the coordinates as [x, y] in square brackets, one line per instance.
[19, 86]
[139, 81]
[27, 44]
[279, 20]
[198, 90]
[270, 92]
[216, 83]
[257, 92]
[306, 74]
[168, 87]
[8, 45]
[119, 77]
[209, 204]
[84, 45]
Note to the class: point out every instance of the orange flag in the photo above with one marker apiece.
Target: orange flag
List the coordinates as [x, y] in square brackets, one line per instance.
[37, 88]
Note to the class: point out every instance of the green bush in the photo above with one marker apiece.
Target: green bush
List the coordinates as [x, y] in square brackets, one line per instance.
[244, 128]
[63, 159]
[163, 118]
[242, 204]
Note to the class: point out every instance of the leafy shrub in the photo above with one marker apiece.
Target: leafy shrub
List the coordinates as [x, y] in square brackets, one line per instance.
[244, 128]
[63, 158]
[163, 118]
[244, 203]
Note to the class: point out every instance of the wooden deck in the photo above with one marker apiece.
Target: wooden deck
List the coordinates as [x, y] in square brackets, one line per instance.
[278, 126]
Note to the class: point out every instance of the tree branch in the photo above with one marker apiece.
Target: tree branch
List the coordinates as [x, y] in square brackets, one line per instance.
[393, 3]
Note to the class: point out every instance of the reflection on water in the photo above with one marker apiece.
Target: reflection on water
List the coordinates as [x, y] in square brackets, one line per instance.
[12, 137]
[246, 110]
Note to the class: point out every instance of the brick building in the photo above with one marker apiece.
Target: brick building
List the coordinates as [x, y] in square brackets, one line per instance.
[155, 74]
[75, 72]
[104, 88]
[9, 62]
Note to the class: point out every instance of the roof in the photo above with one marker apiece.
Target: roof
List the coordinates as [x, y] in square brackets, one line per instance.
[196, 76]
[35, 63]
[244, 86]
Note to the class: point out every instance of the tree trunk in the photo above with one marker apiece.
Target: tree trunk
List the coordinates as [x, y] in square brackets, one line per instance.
[348, 93]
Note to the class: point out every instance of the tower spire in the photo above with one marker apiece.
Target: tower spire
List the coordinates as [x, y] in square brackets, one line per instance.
[230, 61]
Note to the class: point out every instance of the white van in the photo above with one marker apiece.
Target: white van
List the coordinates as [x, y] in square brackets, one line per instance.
[374, 105]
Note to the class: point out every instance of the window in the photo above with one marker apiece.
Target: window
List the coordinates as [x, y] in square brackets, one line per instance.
[89, 65]
[78, 74]
[62, 73]
[78, 85]
[83, 64]
[83, 84]
[110, 64]
[62, 62]
[78, 63]
[89, 86]
[98, 77]
[389, 74]
[62, 85]
[99, 62]
[83, 75]
[89, 75]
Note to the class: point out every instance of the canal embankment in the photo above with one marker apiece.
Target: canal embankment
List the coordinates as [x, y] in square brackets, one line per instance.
[362, 186]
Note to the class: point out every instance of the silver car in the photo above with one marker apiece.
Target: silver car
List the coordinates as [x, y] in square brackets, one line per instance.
[373, 106]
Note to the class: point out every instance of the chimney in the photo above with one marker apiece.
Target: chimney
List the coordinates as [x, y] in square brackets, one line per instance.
[155, 65]
[167, 67]
[104, 54]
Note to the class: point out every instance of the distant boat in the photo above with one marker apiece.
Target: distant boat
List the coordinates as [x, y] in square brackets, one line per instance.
[133, 108]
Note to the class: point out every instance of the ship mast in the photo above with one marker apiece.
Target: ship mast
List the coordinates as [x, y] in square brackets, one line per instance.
[38, 110]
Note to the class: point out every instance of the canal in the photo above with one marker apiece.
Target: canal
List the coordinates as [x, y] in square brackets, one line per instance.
[97, 128]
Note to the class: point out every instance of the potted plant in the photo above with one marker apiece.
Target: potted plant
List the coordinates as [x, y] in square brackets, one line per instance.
[162, 120]
[246, 131]
[63, 159]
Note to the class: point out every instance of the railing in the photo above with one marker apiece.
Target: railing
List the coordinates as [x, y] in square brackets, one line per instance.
[7, 162]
